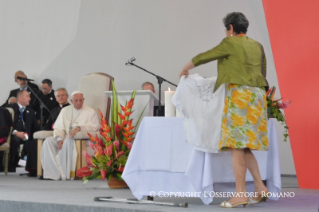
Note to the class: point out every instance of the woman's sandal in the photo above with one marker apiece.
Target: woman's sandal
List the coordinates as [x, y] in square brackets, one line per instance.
[228, 205]
[262, 197]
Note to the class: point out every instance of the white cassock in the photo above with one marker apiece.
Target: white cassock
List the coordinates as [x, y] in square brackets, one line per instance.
[60, 164]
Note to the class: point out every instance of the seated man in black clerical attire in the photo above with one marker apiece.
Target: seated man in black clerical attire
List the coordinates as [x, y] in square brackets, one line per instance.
[24, 125]
[22, 86]
[46, 94]
[61, 96]
[5, 124]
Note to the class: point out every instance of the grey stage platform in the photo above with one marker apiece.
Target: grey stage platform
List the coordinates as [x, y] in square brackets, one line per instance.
[30, 194]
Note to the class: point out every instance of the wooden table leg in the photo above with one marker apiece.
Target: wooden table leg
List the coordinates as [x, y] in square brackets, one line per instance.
[39, 165]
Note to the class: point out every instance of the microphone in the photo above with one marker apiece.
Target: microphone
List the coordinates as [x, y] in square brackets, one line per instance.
[22, 78]
[130, 61]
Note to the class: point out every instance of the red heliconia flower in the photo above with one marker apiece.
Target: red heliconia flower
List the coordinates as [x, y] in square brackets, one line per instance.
[125, 123]
[119, 153]
[122, 117]
[101, 143]
[127, 134]
[119, 169]
[124, 143]
[103, 174]
[129, 145]
[128, 113]
[83, 172]
[129, 139]
[91, 145]
[92, 138]
[129, 104]
[268, 92]
[109, 163]
[128, 129]
[104, 134]
[284, 105]
[117, 129]
[108, 150]
[123, 108]
[88, 158]
[99, 149]
[117, 145]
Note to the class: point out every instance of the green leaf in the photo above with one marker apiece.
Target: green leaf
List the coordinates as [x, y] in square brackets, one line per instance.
[139, 118]
[117, 175]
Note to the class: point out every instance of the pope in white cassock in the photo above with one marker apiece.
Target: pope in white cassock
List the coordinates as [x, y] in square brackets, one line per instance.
[58, 155]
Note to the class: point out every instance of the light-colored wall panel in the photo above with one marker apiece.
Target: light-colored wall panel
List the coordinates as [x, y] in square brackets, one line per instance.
[162, 35]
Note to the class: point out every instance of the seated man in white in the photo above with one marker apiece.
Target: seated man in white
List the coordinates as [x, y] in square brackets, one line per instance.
[58, 155]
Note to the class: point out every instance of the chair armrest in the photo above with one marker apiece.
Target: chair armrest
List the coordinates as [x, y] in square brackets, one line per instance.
[84, 135]
[42, 134]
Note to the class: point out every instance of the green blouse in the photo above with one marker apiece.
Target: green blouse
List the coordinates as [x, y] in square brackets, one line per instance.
[240, 60]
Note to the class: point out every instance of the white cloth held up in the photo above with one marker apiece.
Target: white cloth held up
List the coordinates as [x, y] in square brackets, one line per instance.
[202, 111]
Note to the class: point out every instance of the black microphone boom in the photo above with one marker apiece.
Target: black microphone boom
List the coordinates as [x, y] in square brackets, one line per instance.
[160, 80]
[130, 61]
[22, 78]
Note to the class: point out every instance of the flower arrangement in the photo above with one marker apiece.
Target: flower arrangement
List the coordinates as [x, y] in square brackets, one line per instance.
[273, 109]
[114, 144]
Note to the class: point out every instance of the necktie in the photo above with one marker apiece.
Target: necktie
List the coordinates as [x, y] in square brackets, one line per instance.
[21, 112]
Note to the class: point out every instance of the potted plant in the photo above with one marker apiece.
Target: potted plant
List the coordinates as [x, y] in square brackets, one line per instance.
[113, 145]
[274, 109]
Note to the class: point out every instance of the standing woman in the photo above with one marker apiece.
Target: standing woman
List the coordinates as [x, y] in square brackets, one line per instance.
[242, 66]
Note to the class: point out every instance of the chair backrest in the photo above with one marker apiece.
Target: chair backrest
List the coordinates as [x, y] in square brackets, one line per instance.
[93, 87]
[11, 111]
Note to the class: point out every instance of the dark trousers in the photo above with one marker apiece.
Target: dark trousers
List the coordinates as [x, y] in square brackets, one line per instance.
[14, 150]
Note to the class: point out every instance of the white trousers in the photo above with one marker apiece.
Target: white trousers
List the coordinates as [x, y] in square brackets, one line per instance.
[58, 164]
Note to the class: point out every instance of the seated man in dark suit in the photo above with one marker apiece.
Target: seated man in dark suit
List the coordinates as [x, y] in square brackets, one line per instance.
[24, 125]
[5, 124]
[61, 96]
[46, 94]
[23, 86]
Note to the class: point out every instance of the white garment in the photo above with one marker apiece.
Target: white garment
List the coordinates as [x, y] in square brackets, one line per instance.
[202, 111]
[60, 164]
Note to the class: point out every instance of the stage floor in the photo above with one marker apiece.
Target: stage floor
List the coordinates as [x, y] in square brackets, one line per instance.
[22, 193]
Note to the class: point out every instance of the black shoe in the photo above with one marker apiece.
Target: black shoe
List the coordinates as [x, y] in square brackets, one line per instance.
[31, 175]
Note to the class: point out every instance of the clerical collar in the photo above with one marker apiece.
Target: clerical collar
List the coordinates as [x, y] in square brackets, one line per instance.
[66, 104]
[25, 88]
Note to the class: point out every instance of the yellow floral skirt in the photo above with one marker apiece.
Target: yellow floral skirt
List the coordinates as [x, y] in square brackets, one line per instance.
[244, 123]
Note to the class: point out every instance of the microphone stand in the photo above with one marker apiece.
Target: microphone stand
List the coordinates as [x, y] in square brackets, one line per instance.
[42, 105]
[160, 80]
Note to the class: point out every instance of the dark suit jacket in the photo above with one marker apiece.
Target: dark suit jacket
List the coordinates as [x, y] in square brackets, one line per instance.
[15, 92]
[5, 122]
[31, 124]
[33, 86]
[49, 101]
[53, 116]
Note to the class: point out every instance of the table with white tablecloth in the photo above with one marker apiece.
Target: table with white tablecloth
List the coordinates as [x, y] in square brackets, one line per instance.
[162, 162]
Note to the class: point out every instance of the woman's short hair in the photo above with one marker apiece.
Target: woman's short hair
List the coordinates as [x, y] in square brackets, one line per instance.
[238, 20]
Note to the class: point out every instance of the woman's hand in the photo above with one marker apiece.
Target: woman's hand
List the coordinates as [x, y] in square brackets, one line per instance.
[184, 72]
[187, 67]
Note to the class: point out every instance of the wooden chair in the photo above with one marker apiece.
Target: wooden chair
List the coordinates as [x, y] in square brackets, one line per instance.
[93, 87]
[6, 146]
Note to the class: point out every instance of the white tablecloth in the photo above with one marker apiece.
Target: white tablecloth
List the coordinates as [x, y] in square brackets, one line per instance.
[162, 162]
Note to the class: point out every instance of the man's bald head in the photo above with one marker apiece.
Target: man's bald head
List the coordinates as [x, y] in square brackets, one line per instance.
[21, 83]
[20, 74]
[23, 98]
